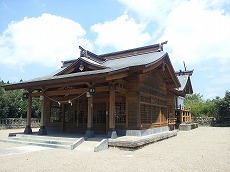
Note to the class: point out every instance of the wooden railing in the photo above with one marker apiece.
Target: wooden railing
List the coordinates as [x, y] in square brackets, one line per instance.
[171, 121]
[18, 123]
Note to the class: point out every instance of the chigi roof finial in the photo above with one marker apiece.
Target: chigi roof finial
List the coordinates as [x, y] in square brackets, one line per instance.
[83, 52]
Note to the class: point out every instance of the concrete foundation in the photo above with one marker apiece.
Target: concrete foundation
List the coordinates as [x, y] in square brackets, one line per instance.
[142, 132]
[89, 134]
[28, 130]
[101, 146]
[135, 142]
[187, 127]
[42, 131]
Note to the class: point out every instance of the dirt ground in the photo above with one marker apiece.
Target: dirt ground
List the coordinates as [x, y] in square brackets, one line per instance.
[202, 149]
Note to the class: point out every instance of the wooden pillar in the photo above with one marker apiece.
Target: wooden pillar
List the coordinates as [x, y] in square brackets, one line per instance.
[28, 129]
[42, 130]
[112, 108]
[111, 132]
[90, 133]
[90, 113]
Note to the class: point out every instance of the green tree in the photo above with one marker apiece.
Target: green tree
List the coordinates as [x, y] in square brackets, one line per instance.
[223, 106]
[36, 108]
[199, 107]
[2, 103]
[13, 106]
[195, 102]
[209, 108]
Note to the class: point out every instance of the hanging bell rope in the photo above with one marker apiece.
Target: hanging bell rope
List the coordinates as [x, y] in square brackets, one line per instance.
[65, 101]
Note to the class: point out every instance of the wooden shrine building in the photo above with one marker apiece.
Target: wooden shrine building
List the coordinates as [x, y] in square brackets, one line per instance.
[129, 92]
[182, 113]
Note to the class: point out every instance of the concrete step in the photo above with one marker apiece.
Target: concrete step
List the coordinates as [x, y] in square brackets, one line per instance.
[43, 140]
[46, 141]
[78, 143]
[37, 144]
[87, 146]
[46, 137]
[93, 145]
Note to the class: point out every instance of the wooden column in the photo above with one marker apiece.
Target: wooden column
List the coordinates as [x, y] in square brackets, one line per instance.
[112, 108]
[90, 133]
[28, 129]
[90, 113]
[112, 133]
[42, 130]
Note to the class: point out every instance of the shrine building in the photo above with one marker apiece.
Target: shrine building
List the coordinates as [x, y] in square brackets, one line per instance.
[130, 92]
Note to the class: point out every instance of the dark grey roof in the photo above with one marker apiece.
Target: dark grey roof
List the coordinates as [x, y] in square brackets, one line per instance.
[135, 60]
[113, 65]
[110, 66]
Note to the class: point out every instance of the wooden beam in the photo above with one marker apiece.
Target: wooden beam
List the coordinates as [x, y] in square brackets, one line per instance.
[60, 92]
[152, 67]
[117, 76]
[71, 91]
[66, 85]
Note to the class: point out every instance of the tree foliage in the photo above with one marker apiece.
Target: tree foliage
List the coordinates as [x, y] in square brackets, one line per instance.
[13, 106]
[223, 106]
[214, 108]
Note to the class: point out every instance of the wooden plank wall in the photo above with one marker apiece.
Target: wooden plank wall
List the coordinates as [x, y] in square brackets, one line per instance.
[153, 100]
[133, 103]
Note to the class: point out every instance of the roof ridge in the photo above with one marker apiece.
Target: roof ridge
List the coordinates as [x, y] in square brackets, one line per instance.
[158, 45]
[132, 55]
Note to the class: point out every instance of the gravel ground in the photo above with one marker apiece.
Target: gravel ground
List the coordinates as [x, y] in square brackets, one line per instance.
[202, 149]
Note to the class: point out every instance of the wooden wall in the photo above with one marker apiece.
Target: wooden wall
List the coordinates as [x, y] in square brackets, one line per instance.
[153, 100]
[133, 102]
[147, 105]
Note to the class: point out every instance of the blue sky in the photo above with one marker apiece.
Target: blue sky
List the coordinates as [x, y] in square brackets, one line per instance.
[36, 35]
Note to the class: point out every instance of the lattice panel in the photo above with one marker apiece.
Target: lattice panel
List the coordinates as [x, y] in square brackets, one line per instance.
[145, 99]
[145, 112]
[164, 114]
[120, 112]
[69, 116]
[155, 114]
[55, 113]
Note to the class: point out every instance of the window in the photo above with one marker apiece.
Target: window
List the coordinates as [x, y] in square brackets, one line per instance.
[155, 114]
[55, 113]
[145, 111]
[120, 112]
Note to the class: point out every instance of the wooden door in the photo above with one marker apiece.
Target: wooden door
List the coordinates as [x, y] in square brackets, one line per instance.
[99, 117]
[75, 117]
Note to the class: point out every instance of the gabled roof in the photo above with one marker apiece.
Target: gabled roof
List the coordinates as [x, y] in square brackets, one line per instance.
[90, 65]
[75, 64]
[185, 81]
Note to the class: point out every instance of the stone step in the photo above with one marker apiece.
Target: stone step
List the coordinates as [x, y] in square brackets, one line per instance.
[46, 137]
[37, 144]
[87, 146]
[46, 141]
[93, 145]
[42, 140]
[135, 142]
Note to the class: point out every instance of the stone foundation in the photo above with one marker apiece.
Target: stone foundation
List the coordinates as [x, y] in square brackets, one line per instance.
[135, 142]
[142, 132]
[187, 127]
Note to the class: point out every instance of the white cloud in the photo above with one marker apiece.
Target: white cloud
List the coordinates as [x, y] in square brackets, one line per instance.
[197, 32]
[151, 10]
[46, 40]
[197, 36]
[121, 33]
